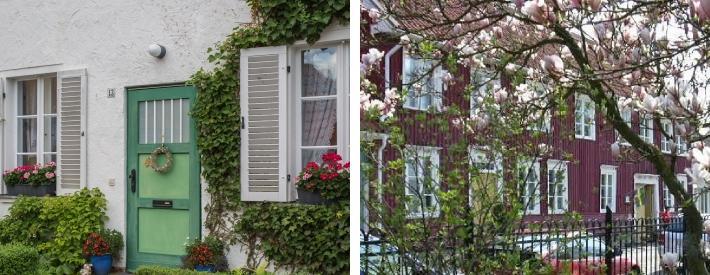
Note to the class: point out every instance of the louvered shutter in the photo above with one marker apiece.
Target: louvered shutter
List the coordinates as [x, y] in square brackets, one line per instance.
[263, 89]
[71, 157]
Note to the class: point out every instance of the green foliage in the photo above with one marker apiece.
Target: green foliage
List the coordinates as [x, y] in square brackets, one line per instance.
[162, 270]
[216, 112]
[18, 259]
[114, 240]
[57, 226]
[216, 109]
[309, 237]
[197, 255]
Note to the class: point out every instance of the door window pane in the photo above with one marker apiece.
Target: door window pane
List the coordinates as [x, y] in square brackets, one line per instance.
[318, 76]
[319, 122]
[164, 121]
[27, 103]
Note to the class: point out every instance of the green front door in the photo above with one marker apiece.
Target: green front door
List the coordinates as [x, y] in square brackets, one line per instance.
[163, 207]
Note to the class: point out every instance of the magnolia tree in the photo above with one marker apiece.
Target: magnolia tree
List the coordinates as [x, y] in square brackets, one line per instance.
[648, 57]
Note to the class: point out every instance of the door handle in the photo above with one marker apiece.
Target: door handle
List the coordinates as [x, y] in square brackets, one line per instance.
[132, 178]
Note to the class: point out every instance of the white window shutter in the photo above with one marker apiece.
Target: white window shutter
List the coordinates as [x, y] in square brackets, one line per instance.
[263, 87]
[71, 155]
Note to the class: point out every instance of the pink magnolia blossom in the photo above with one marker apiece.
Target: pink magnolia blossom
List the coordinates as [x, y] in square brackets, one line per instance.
[553, 65]
[615, 150]
[701, 9]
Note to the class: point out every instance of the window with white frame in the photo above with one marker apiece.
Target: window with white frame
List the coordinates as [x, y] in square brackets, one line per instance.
[607, 188]
[646, 128]
[626, 116]
[584, 123]
[529, 176]
[45, 107]
[319, 103]
[421, 175]
[556, 186]
[485, 176]
[294, 110]
[423, 82]
[666, 142]
[36, 120]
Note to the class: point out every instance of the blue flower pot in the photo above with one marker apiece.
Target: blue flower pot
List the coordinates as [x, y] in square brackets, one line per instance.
[204, 268]
[102, 264]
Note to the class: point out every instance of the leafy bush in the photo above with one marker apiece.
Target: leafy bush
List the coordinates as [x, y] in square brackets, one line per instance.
[209, 251]
[57, 226]
[18, 259]
[114, 240]
[161, 270]
[313, 238]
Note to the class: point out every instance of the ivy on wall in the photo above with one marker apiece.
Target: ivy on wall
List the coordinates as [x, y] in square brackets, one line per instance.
[216, 110]
[314, 238]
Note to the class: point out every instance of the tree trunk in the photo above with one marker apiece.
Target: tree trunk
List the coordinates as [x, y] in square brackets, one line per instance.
[691, 241]
[693, 221]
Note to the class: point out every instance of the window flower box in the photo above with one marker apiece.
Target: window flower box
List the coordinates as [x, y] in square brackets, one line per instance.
[31, 180]
[324, 184]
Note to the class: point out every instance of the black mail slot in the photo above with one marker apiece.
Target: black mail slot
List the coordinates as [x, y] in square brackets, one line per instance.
[162, 204]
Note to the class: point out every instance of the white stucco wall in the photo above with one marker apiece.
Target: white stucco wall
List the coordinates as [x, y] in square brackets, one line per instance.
[109, 39]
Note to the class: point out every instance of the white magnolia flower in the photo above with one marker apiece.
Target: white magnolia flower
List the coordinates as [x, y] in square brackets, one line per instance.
[670, 260]
[404, 40]
[553, 65]
[500, 95]
[615, 149]
[702, 156]
[371, 57]
[374, 14]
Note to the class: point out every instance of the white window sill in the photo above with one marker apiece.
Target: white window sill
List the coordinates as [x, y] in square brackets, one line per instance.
[585, 137]
[414, 216]
[603, 211]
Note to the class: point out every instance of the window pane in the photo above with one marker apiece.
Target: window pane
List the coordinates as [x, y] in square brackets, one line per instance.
[319, 123]
[50, 134]
[164, 121]
[308, 155]
[319, 74]
[26, 160]
[50, 157]
[50, 95]
[27, 139]
[27, 98]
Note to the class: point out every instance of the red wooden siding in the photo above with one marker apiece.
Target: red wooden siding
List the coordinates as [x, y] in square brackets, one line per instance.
[584, 173]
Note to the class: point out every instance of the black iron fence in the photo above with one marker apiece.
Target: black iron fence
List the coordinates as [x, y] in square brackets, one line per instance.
[606, 246]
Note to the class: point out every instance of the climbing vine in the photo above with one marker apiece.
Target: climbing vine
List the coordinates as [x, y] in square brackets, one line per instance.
[216, 110]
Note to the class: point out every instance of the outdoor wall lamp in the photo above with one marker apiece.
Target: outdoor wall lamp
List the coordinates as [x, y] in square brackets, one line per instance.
[156, 50]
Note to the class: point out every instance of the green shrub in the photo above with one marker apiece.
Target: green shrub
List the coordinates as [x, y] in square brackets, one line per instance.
[57, 226]
[161, 270]
[18, 259]
[311, 238]
[114, 240]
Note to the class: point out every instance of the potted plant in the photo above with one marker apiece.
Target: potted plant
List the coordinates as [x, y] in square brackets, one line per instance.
[325, 183]
[31, 180]
[99, 253]
[205, 255]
